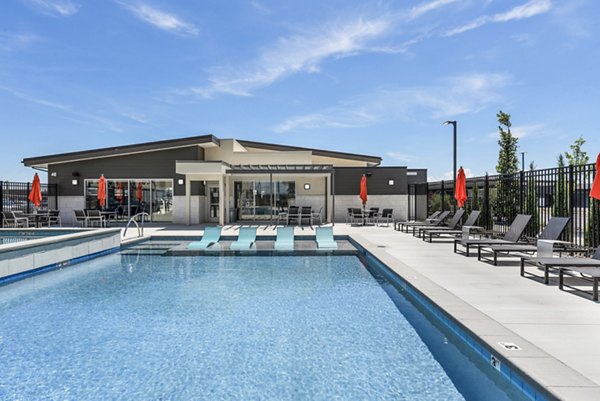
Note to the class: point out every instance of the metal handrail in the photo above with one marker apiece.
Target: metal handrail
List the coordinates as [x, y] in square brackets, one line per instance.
[133, 220]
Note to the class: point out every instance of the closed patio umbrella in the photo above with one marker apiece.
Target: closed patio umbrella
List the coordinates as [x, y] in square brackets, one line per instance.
[102, 191]
[595, 191]
[139, 193]
[119, 192]
[35, 195]
[363, 194]
[460, 192]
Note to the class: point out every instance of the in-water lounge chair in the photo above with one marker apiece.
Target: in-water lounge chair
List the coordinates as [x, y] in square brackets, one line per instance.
[551, 233]
[246, 239]
[566, 263]
[453, 225]
[285, 239]
[399, 225]
[325, 238]
[439, 231]
[515, 232]
[210, 238]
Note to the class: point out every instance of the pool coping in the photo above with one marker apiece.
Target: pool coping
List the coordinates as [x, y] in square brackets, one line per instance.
[550, 374]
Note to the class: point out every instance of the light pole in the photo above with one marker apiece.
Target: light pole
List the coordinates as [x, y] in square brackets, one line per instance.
[454, 176]
[523, 161]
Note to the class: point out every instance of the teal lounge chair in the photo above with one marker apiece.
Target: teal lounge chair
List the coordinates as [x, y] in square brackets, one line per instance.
[325, 238]
[210, 237]
[246, 239]
[285, 239]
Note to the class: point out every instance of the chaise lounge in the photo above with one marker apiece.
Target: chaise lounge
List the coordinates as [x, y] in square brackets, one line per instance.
[285, 239]
[566, 263]
[453, 225]
[210, 237]
[325, 239]
[439, 231]
[246, 240]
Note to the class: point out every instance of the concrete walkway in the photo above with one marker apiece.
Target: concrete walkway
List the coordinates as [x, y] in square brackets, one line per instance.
[558, 332]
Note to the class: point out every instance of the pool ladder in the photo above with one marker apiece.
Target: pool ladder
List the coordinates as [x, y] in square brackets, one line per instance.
[133, 220]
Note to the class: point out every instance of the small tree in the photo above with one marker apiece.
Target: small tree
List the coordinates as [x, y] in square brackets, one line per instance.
[508, 164]
[579, 157]
[560, 206]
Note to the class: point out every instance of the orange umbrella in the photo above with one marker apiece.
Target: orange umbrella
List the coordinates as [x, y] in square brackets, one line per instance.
[460, 192]
[35, 195]
[595, 192]
[102, 191]
[363, 190]
[139, 193]
[119, 192]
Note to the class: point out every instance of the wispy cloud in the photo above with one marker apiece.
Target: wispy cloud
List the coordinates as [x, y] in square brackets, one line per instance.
[527, 10]
[452, 96]
[522, 131]
[294, 54]
[400, 156]
[425, 8]
[83, 116]
[54, 8]
[10, 42]
[160, 19]
[449, 175]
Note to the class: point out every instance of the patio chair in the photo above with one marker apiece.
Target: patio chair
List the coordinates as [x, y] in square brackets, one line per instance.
[81, 217]
[324, 238]
[306, 214]
[285, 239]
[293, 214]
[399, 225]
[437, 222]
[371, 215]
[54, 218]
[386, 215]
[210, 238]
[349, 216]
[513, 235]
[318, 215]
[246, 239]
[20, 220]
[438, 232]
[357, 215]
[453, 225]
[550, 263]
[550, 234]
[585, 273]
[95, 217]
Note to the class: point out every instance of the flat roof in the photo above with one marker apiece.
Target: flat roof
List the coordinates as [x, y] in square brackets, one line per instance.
[280, 168]
[39, 161]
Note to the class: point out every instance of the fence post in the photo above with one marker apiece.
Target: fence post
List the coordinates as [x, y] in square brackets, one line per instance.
[442, 197]
[486, 201]
[27, 197]
[575, 222]
[522, 184]
[1, 204]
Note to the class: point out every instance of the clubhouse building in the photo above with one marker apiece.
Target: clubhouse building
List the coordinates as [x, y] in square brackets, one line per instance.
[204, 179]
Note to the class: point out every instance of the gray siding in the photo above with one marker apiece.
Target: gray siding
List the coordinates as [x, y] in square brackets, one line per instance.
[347, 180]
[159, 164]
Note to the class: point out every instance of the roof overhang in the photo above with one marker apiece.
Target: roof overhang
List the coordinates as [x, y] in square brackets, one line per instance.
[204, 141]
[280, 169]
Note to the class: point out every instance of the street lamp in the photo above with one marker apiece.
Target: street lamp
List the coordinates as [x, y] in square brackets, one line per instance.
[454, 127]
[523, 161]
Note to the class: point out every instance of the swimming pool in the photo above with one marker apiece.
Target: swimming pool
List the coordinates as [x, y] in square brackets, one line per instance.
[150, 327]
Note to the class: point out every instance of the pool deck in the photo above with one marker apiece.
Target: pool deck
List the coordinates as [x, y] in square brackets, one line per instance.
[558, 331]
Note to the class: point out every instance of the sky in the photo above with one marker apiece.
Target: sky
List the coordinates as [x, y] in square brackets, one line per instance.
[368, 77]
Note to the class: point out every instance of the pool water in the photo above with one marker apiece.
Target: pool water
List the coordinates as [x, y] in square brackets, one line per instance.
[230, 328]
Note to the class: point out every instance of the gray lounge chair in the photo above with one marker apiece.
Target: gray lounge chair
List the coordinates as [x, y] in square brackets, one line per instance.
[453, 225]
[513, 235]
[585, 273]
[399, 225]
[430, 223]
[552, 232]
[246, 239]
[325, 239]
[285, 239]
[210, 238]
[549, 263]
[429, 235]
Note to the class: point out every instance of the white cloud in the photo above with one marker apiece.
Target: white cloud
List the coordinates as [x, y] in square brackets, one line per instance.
[55, 8]
[527, 10]
[159, 19]
[400, 156]
[15, 41]
[424, 8]
[449, 175]
[522, 131]
[295, 54]
[450, 97]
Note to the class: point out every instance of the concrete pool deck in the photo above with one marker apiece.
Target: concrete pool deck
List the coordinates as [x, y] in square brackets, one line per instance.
[557, 331]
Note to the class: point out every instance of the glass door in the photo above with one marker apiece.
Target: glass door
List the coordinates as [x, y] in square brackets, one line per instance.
[213, 203]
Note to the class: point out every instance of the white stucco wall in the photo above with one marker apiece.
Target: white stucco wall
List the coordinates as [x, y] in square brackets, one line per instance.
[66, 205]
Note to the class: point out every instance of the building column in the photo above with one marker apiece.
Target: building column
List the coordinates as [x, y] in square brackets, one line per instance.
[188, 202]
[221, 201]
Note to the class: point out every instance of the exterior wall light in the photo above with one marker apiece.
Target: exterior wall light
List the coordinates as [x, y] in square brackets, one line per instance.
[307, 186]
[180, 181]
[74, 181]
[390, 182]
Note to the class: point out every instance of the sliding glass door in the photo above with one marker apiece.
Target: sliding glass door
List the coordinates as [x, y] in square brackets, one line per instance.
[261, 199]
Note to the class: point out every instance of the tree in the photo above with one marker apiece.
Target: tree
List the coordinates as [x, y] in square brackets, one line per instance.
[560, 206]
[579, 157]
[508, 194]
[508, 163]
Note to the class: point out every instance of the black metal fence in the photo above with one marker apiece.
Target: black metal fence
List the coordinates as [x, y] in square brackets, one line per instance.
[13, 196]
[559, 191]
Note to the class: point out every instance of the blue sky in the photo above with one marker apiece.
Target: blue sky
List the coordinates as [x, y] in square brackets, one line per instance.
[356, 76]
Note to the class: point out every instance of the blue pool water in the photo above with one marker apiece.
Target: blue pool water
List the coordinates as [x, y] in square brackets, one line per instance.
[210, 328]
